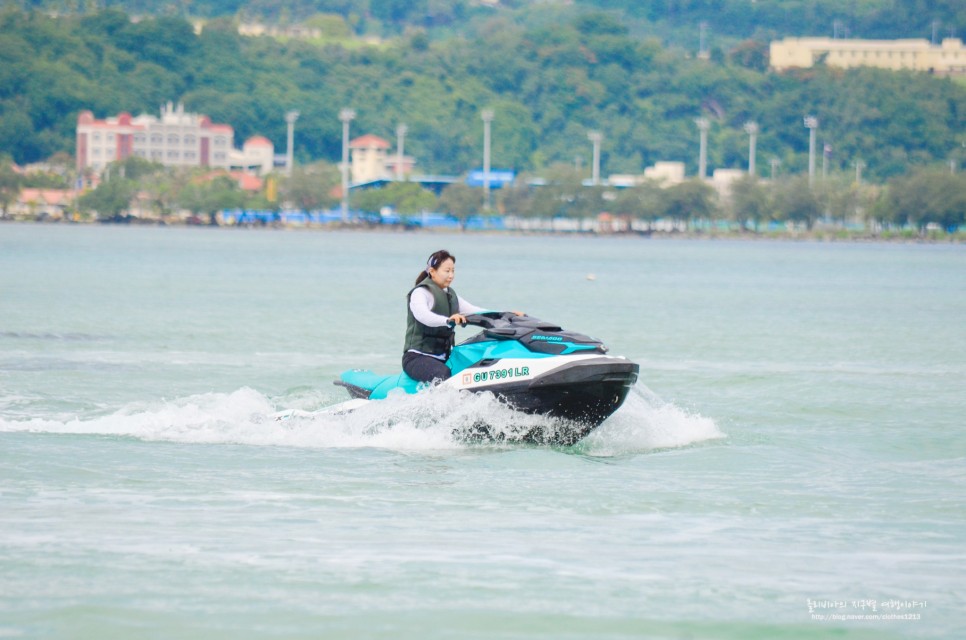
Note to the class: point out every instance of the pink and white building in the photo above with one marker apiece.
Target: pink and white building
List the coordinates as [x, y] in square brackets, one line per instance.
[176, 139]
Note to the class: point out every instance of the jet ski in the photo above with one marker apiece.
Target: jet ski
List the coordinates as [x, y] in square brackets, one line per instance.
[533, 366]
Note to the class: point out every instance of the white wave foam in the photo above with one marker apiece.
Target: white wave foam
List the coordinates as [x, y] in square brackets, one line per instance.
[211, 417]
[644, 423]
[441, 418]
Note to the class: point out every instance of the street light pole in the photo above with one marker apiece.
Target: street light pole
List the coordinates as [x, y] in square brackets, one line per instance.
[703, 125]
[702, 41]
[811, 123]
[290, 119]
[751, 128]
[859, 165]
[346, 116]
[595, 137]
[826, 150]
[487, 116]
[774, 166]
[400, 141]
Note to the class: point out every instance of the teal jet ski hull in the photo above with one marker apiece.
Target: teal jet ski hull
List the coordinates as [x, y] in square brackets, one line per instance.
[532, 366]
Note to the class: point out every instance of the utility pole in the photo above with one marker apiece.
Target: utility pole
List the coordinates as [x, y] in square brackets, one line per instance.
[702, 41]
[826, 151]
[595, 137]
[811, 123]
[346, 116]
[751, 128]
[487, 116]
[703, 125]
[290, 119]
[400, 141]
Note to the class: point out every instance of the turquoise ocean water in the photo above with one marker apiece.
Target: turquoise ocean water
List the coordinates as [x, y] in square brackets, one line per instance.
[792, 463]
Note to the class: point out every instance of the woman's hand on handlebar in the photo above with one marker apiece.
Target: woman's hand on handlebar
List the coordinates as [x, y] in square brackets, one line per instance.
[457, 319]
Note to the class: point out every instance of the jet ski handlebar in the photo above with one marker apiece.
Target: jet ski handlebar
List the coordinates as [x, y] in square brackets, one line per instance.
[509, 319]
[491, 319]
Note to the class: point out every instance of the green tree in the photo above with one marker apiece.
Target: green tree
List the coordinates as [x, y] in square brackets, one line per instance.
[795, 201]
[749, 202]
[750, 53]
[690, 200]
[928, 196]
[311, 186]
[204, 196]
[461, 201]
[110, 199]
[134, 168]
[644, 201]
[565, 195]
[404, 197]
[10, 183]
[838, 197]
[410, 197]
[515, 199]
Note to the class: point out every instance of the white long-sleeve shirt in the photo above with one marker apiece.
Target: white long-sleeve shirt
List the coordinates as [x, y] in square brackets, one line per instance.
[421, 304]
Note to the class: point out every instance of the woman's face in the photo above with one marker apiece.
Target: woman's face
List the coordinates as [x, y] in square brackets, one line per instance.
[443, 274]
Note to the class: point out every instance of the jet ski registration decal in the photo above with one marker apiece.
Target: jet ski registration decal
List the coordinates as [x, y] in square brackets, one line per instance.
[496, 374]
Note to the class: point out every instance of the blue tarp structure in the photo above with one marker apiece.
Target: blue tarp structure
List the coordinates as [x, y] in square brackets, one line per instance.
[324, 217]
[488, 223]
[426, 220]
[433, 221]
[248, 216]
[446, 221]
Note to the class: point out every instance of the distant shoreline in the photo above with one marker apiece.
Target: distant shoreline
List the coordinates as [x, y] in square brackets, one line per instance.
[906, 236]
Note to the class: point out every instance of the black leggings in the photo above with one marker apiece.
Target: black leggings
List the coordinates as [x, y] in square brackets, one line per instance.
[424, 368]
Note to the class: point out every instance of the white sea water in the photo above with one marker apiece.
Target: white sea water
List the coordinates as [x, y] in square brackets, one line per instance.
[795, 446]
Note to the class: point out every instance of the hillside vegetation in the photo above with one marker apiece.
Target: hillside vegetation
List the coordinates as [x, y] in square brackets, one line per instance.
[734, 18]
[548, 86]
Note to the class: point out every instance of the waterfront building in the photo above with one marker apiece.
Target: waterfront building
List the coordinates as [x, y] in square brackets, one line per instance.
[257, 156]
[723, 179]
[947, 58]
[666, 173]
[368, 158]
[42, 204]
[176, 139]
[372, 160]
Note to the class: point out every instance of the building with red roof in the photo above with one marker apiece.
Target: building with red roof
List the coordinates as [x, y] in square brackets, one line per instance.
[372, 160]
[175, 139]
[43, 203]
[256, 156]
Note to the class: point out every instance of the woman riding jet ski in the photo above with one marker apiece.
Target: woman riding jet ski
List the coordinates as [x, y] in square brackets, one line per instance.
[531, 365]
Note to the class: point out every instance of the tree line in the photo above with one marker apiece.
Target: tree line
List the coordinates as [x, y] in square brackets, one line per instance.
[919, 200]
